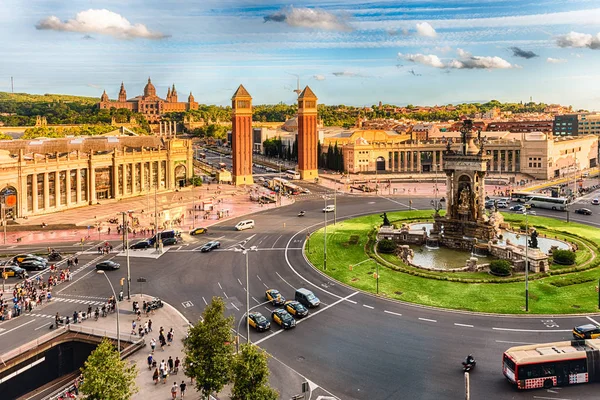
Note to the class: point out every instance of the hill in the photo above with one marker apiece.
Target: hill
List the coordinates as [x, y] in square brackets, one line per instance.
[45, 98]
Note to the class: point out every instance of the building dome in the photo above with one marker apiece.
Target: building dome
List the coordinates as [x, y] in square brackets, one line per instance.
[149, 89]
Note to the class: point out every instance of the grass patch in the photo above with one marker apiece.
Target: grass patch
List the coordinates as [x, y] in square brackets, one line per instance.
[352, 265]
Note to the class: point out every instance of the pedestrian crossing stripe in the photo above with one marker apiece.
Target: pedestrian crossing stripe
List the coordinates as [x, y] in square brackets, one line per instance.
[78, 301]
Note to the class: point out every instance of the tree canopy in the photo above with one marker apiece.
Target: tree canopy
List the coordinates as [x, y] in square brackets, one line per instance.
[251, 374]
[209, 349]
[106, 376]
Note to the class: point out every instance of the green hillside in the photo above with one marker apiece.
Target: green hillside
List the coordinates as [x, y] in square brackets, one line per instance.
[45, 98]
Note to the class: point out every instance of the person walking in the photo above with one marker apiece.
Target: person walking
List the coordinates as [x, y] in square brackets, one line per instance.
[150, 358]
[176, 366]
[170, 337]
[170, 363]
[155, 376]
[174, 390]
[133, 327]
[152, 344]
[182, 387]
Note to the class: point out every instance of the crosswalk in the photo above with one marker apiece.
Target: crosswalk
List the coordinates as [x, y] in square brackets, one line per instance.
[79, 301]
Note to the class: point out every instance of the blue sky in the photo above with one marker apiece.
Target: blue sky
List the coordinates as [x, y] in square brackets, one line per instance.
[349, 52]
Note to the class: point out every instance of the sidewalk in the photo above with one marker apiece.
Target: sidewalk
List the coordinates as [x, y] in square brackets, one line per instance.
[232, 201]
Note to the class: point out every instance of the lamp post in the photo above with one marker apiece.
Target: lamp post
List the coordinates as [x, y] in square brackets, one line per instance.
[325, 236]
[193, 206]
[117, 306]
[125, 215]
[335, 203]
[526, 262]
[245, 252]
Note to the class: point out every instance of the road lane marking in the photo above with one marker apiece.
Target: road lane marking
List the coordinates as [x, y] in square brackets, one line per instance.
[311, 315]
[593, 320]
[220, 287]
[234, 306]
[393, 313]
[258, 277]
[276, 241]
[532, 330]
[225, 294]
[17, 327]
[265, 285]
[240, 282]
[204, 300]
[465, 325]
[40, 327]
[427, 319]
[254, 298]
[371, 307]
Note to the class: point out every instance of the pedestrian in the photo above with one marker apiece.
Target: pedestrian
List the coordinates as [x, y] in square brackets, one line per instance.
[182, 388]
[176, 366]
[149, 325]
[74, 317]
[89, 311]
[150, 358]
[155, 376]
[174, 390]
[133, 327]
[162, 342]
[170, 337]
[152, 344]
[170, 363]
[146, 327]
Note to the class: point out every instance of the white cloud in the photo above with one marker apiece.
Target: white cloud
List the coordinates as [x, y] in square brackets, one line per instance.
[464, 61]
[319, 77]
[555, 60]
[443, 50]
[309, 18]
[103, 22]
[579, 40]
[426, 59]
[425, 29]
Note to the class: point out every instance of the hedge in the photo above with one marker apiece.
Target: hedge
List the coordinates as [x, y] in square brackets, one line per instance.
[564, 257]
[386, 246]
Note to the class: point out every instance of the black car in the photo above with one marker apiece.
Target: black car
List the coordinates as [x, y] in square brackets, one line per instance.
[584, 211]
[32, 265]
[296, 309]
[210, 246]
[29, 257]
[13, 270]
[283, 318]
[169, 241]
[142, 244]
[108, 265]
[587, 331]
[258, 321]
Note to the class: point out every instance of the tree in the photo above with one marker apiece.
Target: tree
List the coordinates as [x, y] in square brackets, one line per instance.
[209, 350]
[106, 376]
[250, 375]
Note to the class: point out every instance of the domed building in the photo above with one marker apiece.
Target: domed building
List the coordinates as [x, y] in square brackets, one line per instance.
[149, 104]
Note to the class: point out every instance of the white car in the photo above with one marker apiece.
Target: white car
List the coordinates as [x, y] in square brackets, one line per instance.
[502, 204]
[329, 208]
[595, 202]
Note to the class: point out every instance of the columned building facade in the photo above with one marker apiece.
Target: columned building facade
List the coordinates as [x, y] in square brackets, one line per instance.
[241, 137]
[43, 182]
[307, 135]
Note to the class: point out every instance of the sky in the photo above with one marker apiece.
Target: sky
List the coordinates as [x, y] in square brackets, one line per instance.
[354, 52]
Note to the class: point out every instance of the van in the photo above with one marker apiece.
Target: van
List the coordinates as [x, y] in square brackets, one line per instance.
[247, 224]
[329, 208]
[169, 234]
[307, 298]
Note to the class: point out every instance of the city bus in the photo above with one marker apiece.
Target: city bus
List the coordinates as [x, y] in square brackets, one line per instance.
[291, 188]
[552, 364]
[551, 203]
[292, 174]
[520, 197]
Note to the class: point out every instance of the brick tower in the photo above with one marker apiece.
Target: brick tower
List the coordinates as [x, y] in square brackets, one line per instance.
[241, 137]
[307, 135]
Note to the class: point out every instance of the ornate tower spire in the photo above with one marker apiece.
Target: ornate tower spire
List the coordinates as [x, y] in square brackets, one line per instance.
[122, 93]
[174, 94]
[169, 94]
[191, 98]
[104, 96]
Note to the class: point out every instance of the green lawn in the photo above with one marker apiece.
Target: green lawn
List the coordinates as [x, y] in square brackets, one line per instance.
[484, 297]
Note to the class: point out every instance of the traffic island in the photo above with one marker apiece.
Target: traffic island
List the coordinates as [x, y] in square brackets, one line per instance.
[352, 259]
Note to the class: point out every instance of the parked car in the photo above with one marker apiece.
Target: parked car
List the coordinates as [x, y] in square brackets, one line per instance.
[274, 297]
[210, 246]
[258, 321]
[584, 211]
[283, 318]
[142, 244]
[296, 309]
[108, 265]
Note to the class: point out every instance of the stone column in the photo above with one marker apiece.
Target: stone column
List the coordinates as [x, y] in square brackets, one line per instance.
[68, 181]
[434, 160]
[514, 161]
[158, 167]
[419, 168]
[78, 186]
[449, 191]
[143, 183]
[57, 188]
[115, 180]
[92, 184]
[46, 191]
[160, 128]
[34, 193]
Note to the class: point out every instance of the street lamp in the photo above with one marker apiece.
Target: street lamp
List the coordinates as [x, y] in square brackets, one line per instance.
[101, 272]
[526, 261]
[126, 234]
[245, 252]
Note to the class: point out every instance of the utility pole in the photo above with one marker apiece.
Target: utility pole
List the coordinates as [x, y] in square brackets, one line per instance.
[526, 262]
[126, 215]
[325, 237]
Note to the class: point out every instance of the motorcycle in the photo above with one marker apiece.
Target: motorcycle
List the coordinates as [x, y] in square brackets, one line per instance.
[469, 365]
[154, 304]
[54, 256]
[301, 214]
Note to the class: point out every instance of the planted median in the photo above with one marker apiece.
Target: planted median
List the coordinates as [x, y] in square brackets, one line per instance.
[352, 260]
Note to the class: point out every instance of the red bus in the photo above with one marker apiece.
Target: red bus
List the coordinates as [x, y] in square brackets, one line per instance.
[552, 364]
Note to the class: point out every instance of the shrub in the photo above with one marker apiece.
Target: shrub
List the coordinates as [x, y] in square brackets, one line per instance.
[500, 267]
[386, 246]
[564, 257]
[572, 281]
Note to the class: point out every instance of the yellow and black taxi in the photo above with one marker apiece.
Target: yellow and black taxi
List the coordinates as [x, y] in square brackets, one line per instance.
[198, 231]
[296, 309]
[9, 270]
[258, 321]
[587, 331]
[283, 318]
[274, 297]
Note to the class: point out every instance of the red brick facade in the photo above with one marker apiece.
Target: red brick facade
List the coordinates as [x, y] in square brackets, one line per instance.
[241, 137]
[307, 135]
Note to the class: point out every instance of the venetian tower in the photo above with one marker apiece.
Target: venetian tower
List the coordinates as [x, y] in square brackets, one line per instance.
[241, 137]
[307, 135]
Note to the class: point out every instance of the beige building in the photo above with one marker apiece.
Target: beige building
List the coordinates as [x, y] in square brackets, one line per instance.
[536, 154]
[589, 124]
[47, 175]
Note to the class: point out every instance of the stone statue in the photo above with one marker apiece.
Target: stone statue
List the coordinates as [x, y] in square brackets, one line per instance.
[386, 221]
[533, 242]
[464, 199]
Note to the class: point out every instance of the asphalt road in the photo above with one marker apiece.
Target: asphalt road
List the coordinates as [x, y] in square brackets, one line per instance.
[355, 345]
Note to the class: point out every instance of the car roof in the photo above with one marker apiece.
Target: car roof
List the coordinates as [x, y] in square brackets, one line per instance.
[587, 327]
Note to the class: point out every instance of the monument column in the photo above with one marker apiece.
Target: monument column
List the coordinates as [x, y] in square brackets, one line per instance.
[419, 167]
[307, 135]
[68, 184]
[34, 193]
[92, 185]
[134, 178]
[57, 185]
[78, 185]
[46, 191]
[241, 137]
